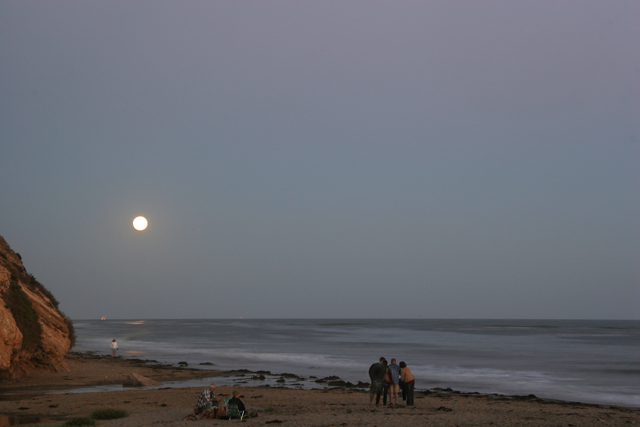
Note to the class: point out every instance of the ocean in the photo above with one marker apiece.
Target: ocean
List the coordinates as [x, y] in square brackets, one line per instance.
[590, 361]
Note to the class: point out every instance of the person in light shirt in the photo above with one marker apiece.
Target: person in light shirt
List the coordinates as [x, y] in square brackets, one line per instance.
[394, 388]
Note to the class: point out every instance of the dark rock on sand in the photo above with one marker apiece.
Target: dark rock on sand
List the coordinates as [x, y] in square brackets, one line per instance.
[285, 375]
[327, 379]
[340, 383]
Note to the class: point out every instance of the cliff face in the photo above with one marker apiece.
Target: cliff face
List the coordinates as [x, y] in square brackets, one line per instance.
[34, 334]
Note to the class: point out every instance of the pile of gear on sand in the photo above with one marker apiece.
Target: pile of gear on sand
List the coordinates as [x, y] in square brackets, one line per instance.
[210, 407]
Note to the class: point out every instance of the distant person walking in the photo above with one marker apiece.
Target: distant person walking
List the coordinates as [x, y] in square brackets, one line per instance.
[409, 382]
[114, 348]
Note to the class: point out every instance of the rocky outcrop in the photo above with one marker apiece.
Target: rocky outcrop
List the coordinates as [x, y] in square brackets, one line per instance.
[34, 334]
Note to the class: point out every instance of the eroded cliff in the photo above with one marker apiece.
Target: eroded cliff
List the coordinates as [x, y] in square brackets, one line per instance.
[34, 333]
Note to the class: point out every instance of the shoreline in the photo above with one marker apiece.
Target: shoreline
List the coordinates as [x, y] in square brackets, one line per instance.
[88, 369]
[322, 406]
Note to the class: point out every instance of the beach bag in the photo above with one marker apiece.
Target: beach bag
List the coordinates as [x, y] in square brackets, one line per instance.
[230, 411]
[387, 379]
[233, 411]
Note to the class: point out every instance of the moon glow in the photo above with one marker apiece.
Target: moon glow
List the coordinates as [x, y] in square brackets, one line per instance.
[140, 223]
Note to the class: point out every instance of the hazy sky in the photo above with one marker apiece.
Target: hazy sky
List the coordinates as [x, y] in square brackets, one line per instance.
[468, 159]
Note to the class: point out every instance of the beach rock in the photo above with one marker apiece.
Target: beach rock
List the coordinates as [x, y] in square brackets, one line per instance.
[137, 380]
[285, 375]
[340, 383]
[34, 334]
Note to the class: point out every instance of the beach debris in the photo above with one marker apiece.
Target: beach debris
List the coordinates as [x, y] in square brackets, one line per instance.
[210, 414]
[137, 380]
[327, 379]
[444, 409]
[274, 422]
[340, 383]
[191, 417]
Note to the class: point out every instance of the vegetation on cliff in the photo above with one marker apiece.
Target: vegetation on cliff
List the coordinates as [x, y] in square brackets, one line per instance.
[34, 333]
[20, 305]
[25, 316]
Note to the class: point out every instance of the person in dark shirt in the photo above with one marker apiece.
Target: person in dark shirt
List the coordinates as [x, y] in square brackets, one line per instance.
[376, 374]
[235, 400]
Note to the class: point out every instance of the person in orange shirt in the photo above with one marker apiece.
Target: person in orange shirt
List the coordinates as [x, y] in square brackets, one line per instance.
[406, 377]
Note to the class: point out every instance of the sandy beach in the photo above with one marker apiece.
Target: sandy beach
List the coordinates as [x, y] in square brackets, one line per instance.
[334, 407]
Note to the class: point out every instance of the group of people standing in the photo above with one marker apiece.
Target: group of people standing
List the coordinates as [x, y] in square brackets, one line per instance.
[389, 379]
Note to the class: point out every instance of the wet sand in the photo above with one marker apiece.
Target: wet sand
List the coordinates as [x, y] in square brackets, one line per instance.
[333, 407]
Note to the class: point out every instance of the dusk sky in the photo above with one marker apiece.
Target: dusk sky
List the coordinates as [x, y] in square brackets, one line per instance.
[339, 159]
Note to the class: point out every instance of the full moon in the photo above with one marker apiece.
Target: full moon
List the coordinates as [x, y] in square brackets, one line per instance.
[140, 223]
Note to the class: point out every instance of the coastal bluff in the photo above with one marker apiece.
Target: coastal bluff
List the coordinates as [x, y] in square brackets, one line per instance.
[34, 333]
